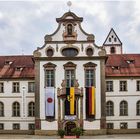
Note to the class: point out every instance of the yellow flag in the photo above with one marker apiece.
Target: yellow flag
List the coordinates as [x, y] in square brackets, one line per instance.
[93, 101]
[72, 98]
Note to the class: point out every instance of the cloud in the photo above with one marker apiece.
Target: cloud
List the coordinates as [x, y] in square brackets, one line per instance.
[23, 25]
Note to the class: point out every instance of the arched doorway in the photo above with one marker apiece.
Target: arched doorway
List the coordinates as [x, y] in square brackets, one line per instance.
[68, 127]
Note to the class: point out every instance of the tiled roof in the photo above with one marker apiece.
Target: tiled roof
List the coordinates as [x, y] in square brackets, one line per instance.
[123, 65]
[17, 66]
[23, 66]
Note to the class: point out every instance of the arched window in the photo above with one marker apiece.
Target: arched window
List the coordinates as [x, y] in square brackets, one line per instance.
[123, 108]
[31, 109]
[138, 108]
[1, 109]
[16, 109]
[69, 29]
[112, 49]
[109, 108]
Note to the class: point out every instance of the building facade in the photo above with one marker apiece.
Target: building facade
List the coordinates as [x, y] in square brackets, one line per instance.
[71, 82]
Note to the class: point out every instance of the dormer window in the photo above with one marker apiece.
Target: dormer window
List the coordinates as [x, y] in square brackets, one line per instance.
[115, 67]
[130, 61]
[18, 68]
[7, 62]
[69, 29]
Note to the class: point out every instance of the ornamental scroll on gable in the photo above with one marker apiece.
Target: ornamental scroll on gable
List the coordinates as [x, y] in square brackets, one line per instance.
[69, 30]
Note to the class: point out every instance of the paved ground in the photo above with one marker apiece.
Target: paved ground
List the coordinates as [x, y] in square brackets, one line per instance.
[124, 136]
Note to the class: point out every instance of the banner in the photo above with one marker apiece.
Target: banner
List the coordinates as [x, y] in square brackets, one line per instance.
[49, 101]
[90, 101]
[70, 101]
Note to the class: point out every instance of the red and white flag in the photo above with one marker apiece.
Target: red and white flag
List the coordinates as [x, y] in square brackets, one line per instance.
[49, 101]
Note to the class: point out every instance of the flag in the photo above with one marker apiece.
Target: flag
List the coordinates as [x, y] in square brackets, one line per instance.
[70, 101]
[49, 101]
[90, 101]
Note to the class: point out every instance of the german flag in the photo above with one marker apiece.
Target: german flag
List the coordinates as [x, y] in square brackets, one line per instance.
[70, 101]
[90, 101]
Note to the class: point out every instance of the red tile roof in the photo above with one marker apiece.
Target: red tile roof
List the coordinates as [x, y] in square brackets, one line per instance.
[19, 66]
[23, 66]
[123, 65]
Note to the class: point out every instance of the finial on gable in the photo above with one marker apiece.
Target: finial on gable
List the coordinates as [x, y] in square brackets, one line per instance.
[69, 3]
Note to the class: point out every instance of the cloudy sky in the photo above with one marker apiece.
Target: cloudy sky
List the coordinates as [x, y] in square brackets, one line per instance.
[23, 24]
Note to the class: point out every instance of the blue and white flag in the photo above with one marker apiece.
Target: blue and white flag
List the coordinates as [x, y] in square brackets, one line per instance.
[49, 101]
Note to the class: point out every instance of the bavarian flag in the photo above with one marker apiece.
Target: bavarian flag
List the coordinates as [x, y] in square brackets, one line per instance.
[90, 101]
[70, 101]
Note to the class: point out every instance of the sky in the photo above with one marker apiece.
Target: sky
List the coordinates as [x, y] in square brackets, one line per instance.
[23, 24]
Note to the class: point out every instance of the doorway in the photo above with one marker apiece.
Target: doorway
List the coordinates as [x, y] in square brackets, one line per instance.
[68, 128]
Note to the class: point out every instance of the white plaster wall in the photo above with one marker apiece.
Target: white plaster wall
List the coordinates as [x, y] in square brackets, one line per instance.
[92, 125]
[131, 96]
[118, 49]
[59, 35]
[8, 98]
[59, 76]
[45, 125]
[112, 40]
[76, 45]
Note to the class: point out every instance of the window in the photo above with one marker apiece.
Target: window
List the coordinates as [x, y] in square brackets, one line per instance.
[90, 78]
[89, 51]
[49, 78]
[109, 39]
[70, 77]
[50, 52]
[69, 29]
[138, 86]
[31, 126]
[31, 109]
[138, 108]
[109, 108]
[115, 39]
[110, 126]
[123, 108]
[31, 87]
[138, 124]
[1, 88]
[109, 86]
[112, 49]
[123, 125]
[16, 109]
[16, 87]
[16, 126]
[1, 109]
[123, 86]
[69, 52]
[1, 126]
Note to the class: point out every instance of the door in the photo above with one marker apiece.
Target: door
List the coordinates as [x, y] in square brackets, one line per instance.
[68, 128]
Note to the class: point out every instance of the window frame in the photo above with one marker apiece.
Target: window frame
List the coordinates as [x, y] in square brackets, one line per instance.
[2, 124]
[1, 109]
[138, 85]
[16, 109]
[31, 109]
[109, 108]
[16, 87]
[109, 86]
[123, 86]
[138, 108]
[31, 126]
[123, 108]
[16, 126]
[31, 87]
[110, 125]
[1, 87]
[125, 125]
